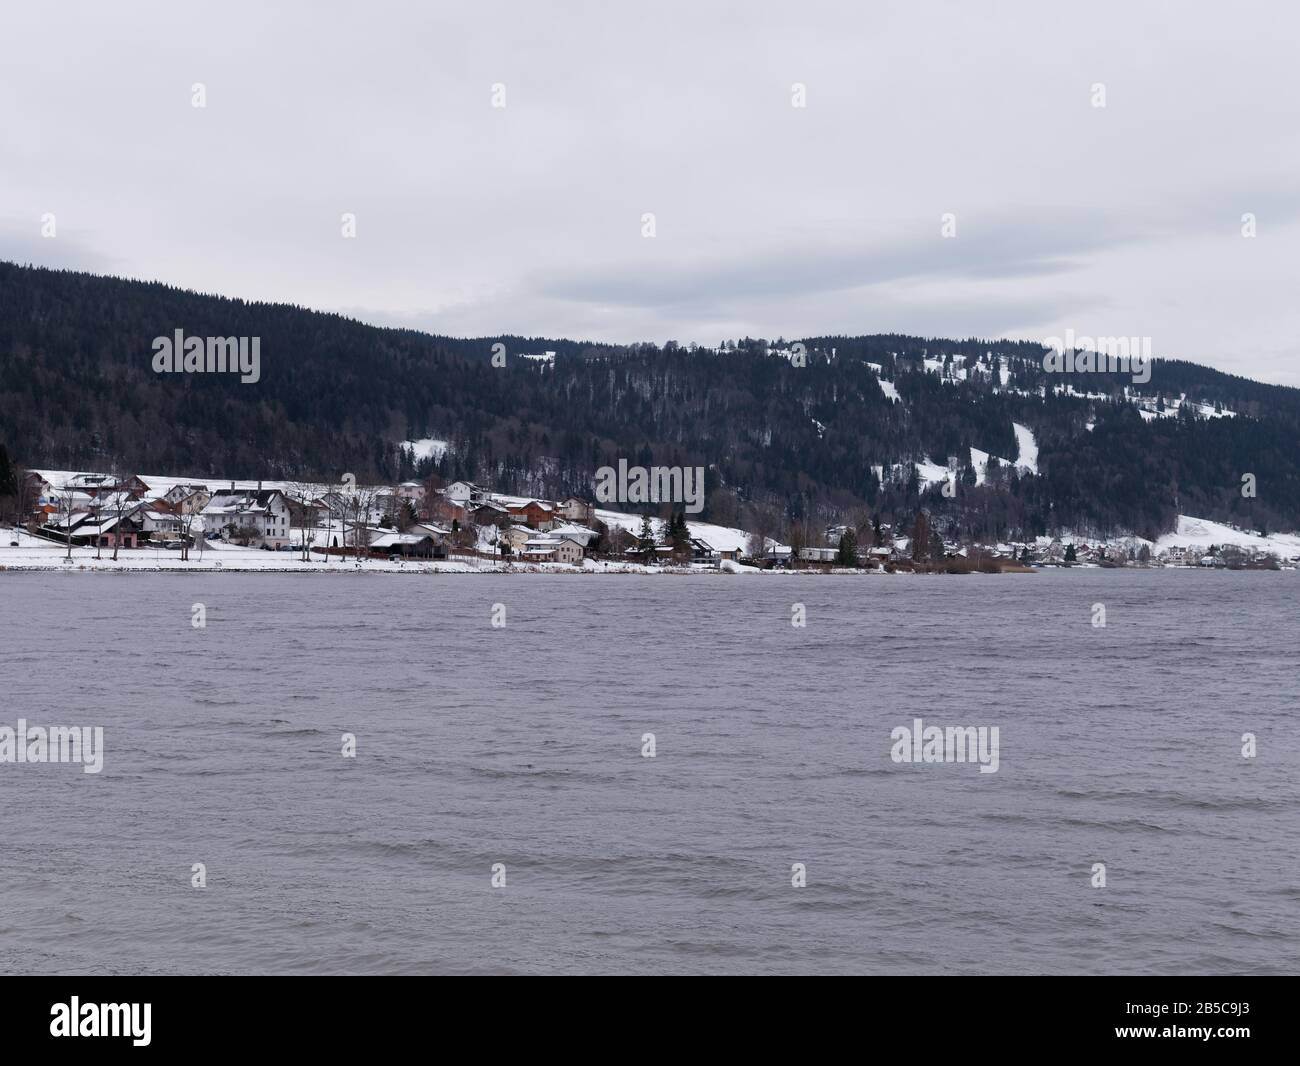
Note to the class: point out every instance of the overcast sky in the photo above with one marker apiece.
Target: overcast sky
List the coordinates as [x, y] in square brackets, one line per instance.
[769, 219]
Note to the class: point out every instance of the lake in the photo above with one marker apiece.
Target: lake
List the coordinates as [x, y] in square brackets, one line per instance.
[522, 745]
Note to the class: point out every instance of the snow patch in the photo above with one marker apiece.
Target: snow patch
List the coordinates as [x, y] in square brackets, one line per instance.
[931, 474]
[720, 538]
[426, 448]
[980, 461]
[1026, 448]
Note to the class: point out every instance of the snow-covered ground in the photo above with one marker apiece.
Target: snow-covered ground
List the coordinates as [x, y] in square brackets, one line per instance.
[1201, 532]
[1148, 409]
[955, 372]
[36, 553]
[980, 461]
[721, 538]
[1147, 406]
[958, 369]
[1027, 448]
[425, 448]
[931, 473]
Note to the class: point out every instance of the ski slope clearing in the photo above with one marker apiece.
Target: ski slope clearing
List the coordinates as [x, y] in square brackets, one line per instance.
[1027, 448]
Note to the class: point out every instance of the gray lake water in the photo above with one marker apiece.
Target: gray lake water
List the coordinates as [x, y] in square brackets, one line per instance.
[522, 745]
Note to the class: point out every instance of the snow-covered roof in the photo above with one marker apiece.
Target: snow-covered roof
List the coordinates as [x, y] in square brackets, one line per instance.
[389, 540]
[570, 531]
[92, 529]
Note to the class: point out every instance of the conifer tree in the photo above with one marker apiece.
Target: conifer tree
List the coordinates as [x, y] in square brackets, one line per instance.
[848, 551]
[8, 481]
[920, 537]
[646, 540]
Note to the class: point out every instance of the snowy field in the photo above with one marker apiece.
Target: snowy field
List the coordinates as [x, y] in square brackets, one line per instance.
[720, 538]
[36, 553]
[1204, 533]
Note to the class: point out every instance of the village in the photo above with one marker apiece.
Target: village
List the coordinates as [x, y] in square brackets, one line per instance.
[409, 521]
[462, 525]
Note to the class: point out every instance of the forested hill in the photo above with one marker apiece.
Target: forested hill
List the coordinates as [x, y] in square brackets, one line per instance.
[861, 427]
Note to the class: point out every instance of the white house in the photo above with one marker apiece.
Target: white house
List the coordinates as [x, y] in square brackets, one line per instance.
[552, 550]
[160, 525]
[580, 535]
[264, 510]
[462, 492]
[576, 509]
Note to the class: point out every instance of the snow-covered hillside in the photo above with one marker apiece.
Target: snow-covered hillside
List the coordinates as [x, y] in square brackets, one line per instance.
[1204, 533]
[721, 538]
[930, 473]
[957, 369]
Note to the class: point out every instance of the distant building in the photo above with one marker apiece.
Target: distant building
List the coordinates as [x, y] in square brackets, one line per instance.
[417, 545]
[266, 512]
[514, 536]
[463, 492]
[704, 552]
[488, 513]
[536, 513]
[188, 499]
[552, 550]
[441, 509]
[575, 509]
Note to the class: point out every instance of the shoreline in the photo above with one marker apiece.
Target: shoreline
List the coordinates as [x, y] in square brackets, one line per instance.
[456, 569]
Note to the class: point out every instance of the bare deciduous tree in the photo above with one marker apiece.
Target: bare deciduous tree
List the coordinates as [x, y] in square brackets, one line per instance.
[362, 503]
[301, 496]
[187, 517]
[66, 494]
[762, 523]
[121, 505]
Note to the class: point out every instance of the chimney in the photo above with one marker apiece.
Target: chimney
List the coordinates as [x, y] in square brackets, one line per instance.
[259, 484]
